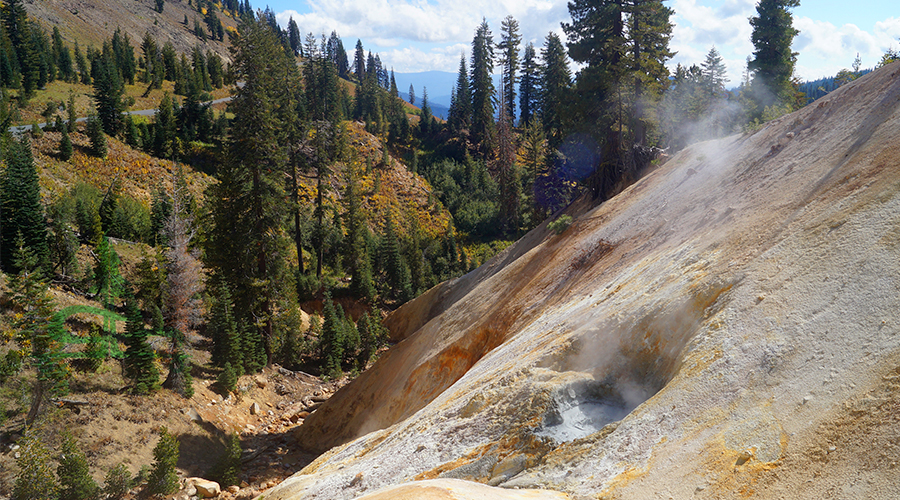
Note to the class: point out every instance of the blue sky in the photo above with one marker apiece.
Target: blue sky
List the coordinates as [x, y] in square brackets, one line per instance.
[423, 35]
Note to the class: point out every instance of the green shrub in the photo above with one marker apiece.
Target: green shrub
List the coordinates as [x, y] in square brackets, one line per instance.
[229, 466]
[118, 482]
[163, 480]
[560, 224]
[74, 476]
[227, 379]
[36, 480]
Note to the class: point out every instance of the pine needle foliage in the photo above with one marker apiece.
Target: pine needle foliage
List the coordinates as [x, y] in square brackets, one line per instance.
[75, 478]
[163, 479]
[36, 480]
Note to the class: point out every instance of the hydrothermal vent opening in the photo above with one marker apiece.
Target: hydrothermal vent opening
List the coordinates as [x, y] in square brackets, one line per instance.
[582, 408]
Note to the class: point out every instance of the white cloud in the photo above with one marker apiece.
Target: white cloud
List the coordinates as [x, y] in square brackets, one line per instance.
[388, 24]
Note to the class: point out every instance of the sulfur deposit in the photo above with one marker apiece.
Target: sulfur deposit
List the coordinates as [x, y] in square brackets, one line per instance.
[727, 327]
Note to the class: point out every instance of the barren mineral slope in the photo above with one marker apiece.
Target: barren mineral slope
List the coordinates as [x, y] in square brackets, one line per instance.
[726, 327]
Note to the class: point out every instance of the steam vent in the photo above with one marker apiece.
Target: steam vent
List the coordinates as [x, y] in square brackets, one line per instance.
[727, 327]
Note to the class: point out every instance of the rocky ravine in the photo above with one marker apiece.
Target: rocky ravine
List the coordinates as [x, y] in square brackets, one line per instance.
[726, 327]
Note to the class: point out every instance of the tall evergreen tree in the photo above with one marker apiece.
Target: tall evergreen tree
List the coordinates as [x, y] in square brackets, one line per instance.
[623, 47]
[510, 185]
[509, 62]
[139, 367]
[246, 247]
[483, 90]
[108, 91]
[714, 70]
[556, 83]
[359, 61]
[73, 472]
[773, 61]
[18, 29]
[529, 86]
[294, 38]
[35, 480]
[459, 117]
[21, 212]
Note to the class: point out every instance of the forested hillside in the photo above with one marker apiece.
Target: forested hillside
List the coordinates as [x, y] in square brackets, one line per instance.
[280, 198]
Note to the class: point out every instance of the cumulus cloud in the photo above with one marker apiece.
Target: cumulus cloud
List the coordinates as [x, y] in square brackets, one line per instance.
[389, 24]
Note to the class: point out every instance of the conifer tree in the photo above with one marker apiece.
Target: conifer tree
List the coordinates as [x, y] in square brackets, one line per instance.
[483, 90]
[250, 204]
[117, 482]
[181, 307]
[556, 82]
[361, 284]
[36, 336]
[65, 144]
[95, 134]
[510, 185]
[509, 62]
[359, 61]
[773, 61]
[529, 86]
[18, 29]
[163, 478]
[164, 129]
[459, 116]
[75, 478]
[36, 480]
[294, 38]
[624, 48]
[714, 71]
[108, 91]
[21, 212]
[139, 367]
[331, 342]
[224, 333]
[396, 271]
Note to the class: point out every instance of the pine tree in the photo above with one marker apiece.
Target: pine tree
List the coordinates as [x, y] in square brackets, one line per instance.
[18, 29]
[227, 379]
[359, 62]
[459, 117]
[510, 186]
[509, 62]
[96, 136]
[483, 90]
[623, 47]
[556, 83]
[36, 480]
[181, 306]
[65, 144]
[108, 280]
[117, 482]
[163, 478]
[21, 212]
[773, 61]
[139, 367]
[251, 204]
[164, 129]
[529, 86]
[108, 91]
[36, 336]
[714, 70]
[331, 342]
[361, 284]
[229, 467]
[396, 271]
[294, 38]
[74, 476]
[223, 330]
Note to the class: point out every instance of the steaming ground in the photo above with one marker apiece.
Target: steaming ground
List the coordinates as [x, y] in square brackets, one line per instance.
[726, 327]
